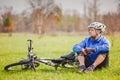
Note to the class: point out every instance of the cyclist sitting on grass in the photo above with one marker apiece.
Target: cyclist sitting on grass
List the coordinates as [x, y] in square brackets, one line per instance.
[93, 51]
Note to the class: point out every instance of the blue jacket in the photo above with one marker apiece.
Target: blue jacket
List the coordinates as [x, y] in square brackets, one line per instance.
[102, 45]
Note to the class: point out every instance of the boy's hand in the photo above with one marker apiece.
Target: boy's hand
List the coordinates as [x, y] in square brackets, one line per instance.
[84, 51]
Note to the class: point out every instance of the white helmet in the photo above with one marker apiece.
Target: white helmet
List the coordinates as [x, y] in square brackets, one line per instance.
[98, 25]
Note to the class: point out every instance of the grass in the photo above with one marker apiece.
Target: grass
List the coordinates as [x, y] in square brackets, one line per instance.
[13, 49]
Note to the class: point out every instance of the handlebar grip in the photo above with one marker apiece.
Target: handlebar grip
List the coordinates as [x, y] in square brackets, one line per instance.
[29, 40]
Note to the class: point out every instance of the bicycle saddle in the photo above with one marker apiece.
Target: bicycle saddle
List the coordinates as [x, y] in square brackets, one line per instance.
[69, 56]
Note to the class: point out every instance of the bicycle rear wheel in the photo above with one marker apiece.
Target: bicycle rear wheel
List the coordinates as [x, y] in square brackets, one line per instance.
[70, 64]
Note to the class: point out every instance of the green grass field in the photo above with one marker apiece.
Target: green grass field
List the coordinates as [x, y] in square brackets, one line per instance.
[13, 49]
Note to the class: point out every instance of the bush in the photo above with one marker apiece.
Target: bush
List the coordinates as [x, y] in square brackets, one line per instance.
[8, 22]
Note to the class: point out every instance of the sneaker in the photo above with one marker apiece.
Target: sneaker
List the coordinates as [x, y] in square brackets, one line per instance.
[90, 69]
[82, 69]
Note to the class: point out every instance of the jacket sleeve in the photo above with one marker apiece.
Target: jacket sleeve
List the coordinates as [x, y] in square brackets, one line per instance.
[78, 47]
[104, 48]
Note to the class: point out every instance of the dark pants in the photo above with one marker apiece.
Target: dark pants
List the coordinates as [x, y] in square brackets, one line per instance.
[105, 63]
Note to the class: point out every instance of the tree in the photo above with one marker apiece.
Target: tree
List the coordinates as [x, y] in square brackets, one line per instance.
[112, 20]
[8, 22]
[44, 12]
[91, 11]
[118, 8]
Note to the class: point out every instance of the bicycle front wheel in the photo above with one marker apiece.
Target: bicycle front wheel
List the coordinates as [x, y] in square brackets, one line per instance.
[17, 66]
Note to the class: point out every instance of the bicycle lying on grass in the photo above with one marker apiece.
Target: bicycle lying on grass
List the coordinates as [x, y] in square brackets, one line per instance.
[32, 61]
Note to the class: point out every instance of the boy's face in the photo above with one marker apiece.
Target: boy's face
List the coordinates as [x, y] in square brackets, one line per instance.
[93, 32]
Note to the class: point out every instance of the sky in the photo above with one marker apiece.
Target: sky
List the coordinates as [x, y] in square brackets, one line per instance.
[104, 5]
[66, 5]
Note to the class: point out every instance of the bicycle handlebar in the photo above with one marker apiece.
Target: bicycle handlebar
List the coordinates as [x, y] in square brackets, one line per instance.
[30, 45]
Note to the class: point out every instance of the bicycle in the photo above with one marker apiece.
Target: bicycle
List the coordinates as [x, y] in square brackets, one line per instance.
[32, 61]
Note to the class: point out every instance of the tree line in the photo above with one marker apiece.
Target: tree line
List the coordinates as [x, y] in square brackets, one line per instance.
[44, 16]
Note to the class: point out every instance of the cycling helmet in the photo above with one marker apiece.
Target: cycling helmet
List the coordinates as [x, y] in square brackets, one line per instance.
[98, 25]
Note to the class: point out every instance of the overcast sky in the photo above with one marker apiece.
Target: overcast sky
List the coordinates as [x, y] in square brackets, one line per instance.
[105, 5]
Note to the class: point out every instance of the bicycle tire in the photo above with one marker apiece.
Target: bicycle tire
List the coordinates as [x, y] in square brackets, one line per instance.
[22, 62]
[7, 68]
